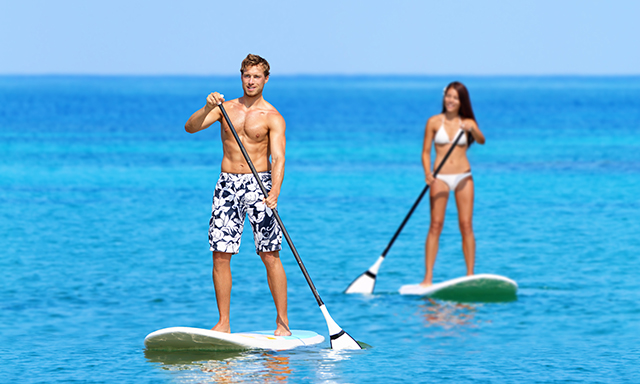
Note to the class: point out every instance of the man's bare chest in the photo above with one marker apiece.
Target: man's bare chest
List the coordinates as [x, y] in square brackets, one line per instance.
[251, 125]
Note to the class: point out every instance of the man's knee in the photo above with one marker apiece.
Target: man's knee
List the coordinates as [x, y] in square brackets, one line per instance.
[221, 257]
[270, 258]
[270, 254]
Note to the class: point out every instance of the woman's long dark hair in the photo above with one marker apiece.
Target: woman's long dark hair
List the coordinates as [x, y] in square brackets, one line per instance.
[465, 111]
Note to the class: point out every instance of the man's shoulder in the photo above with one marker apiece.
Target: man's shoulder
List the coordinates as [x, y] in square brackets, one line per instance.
[268, 107]
[275, 119]
[272, 113]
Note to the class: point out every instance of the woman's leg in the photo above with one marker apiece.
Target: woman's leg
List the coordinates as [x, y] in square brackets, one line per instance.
[438, 198]
[464, 201]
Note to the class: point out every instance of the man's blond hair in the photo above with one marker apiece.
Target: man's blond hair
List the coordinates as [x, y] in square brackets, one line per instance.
[254, 60]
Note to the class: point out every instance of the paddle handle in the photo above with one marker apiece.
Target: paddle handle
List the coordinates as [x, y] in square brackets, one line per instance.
[275, 211]
[424, 190]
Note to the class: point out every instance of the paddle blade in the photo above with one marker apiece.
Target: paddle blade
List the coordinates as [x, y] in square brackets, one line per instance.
[343, 340]
[365, 284]
[339, 338]
[367, 281]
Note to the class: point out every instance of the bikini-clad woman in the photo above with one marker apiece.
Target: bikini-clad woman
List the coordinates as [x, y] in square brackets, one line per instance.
[455, 175]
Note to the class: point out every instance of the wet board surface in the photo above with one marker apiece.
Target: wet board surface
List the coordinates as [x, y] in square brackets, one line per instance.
[187, 338]
[476, 288]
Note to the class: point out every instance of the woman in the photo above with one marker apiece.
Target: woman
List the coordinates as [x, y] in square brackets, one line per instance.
[455, 174]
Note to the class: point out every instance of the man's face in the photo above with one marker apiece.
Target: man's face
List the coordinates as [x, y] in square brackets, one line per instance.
[253, 80]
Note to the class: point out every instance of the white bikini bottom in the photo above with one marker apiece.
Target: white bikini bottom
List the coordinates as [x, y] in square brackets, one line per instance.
[454, 179]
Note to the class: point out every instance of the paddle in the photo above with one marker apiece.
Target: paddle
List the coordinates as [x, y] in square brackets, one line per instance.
[367, 281]
[339, 338]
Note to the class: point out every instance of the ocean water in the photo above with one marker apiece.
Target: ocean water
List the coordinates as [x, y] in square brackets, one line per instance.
[105, 202]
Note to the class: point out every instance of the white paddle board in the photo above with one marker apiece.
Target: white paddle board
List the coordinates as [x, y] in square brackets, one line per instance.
[476, 288]
[186, 338]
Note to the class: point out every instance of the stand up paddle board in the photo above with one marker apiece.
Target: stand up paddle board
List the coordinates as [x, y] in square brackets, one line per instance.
[475, 288]
[186, 338]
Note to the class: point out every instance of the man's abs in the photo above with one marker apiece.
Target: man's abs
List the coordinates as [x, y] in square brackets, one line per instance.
[239, 165]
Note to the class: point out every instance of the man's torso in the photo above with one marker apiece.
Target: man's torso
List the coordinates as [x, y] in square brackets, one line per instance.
[252, 126]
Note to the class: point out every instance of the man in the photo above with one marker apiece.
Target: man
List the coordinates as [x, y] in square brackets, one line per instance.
[262, 131]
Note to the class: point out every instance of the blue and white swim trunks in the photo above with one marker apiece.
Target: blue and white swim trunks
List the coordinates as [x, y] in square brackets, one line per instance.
[237, 195]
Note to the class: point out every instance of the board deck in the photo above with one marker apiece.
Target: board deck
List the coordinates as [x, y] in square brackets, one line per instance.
[187, 338]
[476, 288]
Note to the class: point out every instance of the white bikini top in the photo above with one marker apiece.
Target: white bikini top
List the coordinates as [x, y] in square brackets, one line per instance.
[443, 138]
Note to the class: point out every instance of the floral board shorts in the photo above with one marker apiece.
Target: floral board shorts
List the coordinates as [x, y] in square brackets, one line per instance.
[235, 196]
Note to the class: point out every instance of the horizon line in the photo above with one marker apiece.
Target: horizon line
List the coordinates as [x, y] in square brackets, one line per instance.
[328, 74]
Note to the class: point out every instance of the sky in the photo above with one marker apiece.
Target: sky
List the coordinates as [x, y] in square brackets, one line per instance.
[351, 37]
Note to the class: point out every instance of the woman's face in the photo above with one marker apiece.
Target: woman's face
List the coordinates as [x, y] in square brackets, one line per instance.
[451, 101]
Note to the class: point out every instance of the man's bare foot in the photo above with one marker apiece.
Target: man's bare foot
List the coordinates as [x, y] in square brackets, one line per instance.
[222, 328]
[423, 284]
[282, 329]
[282, 332]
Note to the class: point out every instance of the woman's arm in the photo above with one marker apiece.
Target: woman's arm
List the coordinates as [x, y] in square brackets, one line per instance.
[469, 125]
[426, 150]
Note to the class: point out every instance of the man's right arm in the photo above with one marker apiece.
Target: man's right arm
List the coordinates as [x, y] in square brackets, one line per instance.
[205, 116]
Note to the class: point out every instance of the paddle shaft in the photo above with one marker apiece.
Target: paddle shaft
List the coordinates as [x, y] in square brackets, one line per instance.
[275, 211]
[424, 190]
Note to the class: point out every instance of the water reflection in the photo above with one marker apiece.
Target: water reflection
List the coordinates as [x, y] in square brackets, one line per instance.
[447, 315]
[303, 364]
[278, 367]
[223, 367]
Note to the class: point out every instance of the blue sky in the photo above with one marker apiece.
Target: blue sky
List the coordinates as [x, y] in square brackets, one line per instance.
[204, 37]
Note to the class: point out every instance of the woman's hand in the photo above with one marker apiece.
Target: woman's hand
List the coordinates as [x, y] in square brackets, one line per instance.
[466, 127]
[429, 178]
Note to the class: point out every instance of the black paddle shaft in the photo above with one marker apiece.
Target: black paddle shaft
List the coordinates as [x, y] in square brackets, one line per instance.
[275, 211]
[424, 190]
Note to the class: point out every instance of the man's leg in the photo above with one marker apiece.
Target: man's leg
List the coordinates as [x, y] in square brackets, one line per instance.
[222, 286]
[277, 279]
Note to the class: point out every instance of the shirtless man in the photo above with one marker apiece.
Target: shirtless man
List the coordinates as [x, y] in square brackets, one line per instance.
[262, 131]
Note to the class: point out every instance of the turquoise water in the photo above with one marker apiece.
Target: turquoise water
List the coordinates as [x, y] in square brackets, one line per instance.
[106, 201]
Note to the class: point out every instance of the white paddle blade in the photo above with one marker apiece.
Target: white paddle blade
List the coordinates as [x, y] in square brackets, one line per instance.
[366, 282]
[339, 338]
[344, 341]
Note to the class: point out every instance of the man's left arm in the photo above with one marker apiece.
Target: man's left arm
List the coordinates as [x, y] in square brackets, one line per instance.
[277, 145]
